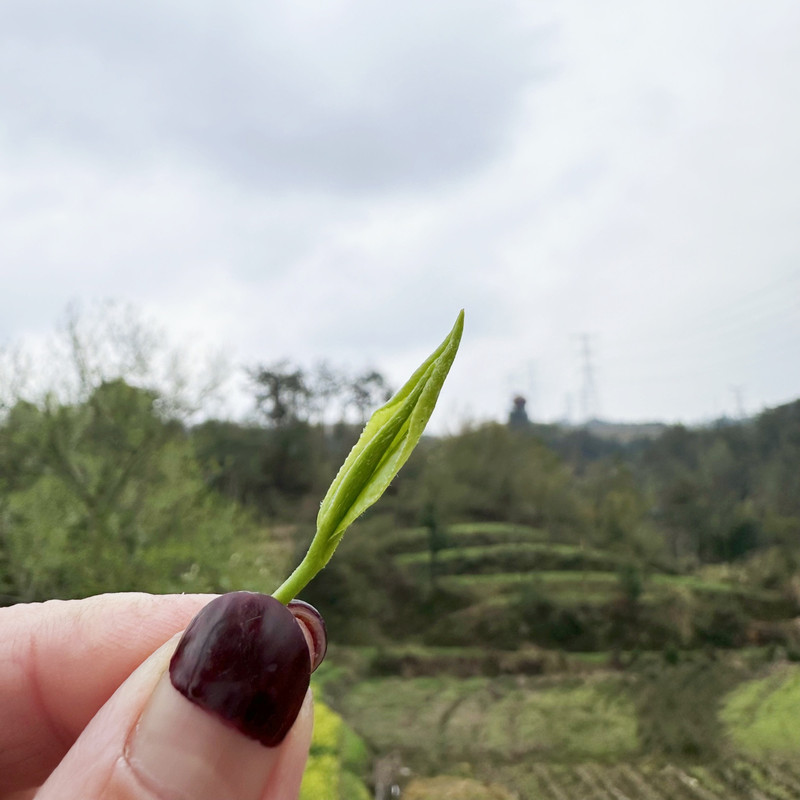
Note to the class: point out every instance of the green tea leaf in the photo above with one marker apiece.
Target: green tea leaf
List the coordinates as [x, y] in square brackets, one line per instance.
[385, 444]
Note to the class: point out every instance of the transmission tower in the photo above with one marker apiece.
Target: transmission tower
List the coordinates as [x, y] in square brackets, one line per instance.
[588, 398]
[738, 397]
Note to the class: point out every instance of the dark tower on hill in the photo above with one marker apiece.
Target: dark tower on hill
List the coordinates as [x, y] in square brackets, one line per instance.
[518, 418]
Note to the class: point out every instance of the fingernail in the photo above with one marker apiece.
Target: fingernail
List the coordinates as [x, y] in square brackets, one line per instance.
[314, 628]
[235, 685]
[244, 659]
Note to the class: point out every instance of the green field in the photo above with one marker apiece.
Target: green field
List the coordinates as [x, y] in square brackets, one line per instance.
[762, 715]
[566, 738]
[480, 718]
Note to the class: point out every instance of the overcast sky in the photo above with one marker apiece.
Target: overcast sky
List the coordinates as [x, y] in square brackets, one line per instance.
[608, 185]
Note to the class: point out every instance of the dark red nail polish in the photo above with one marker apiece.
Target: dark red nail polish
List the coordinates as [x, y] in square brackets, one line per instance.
[245, 659]
[315, 626]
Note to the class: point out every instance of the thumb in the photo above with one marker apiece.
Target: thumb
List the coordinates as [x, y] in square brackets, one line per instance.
[221, 712]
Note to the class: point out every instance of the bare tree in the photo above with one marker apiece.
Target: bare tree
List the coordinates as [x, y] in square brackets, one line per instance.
[107, 341]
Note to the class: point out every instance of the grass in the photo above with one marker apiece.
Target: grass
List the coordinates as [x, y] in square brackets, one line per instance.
[463, 534]
[556, 585]
[515, 557]
[761, 716]
[591, 585]
[499, 529]
[433, 721]
[698, 584]
[445, 787]
[513, 580]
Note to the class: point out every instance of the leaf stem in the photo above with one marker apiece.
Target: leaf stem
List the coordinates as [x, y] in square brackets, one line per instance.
[301, 576]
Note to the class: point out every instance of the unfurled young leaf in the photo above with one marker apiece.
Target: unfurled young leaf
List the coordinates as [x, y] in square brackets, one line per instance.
[383, 447]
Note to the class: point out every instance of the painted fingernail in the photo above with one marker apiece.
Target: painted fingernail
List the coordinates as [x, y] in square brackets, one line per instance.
[245, 660]
[314, 626]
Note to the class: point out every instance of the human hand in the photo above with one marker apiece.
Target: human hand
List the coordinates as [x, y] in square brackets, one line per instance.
[90, 709]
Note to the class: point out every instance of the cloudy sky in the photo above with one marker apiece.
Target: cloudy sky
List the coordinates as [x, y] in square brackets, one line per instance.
[613, 186]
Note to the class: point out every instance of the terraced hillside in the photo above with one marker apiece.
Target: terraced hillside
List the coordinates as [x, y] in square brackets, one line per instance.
[509, 691]
[508, 582]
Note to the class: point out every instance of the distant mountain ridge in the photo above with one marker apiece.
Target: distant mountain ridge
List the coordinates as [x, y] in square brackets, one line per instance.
[625, 432]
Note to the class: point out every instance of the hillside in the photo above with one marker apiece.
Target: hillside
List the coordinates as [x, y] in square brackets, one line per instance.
[505, 584]
[518, 682]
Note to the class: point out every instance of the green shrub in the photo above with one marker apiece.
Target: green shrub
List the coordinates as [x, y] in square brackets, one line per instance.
[351, 788]
[337, 760]
[321, 778]
[328, 729]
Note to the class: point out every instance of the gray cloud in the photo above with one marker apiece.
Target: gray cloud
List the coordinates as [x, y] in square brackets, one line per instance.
[336, 179]
[351, 97]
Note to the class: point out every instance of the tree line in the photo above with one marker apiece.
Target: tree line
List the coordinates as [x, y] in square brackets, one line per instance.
[117, 483]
